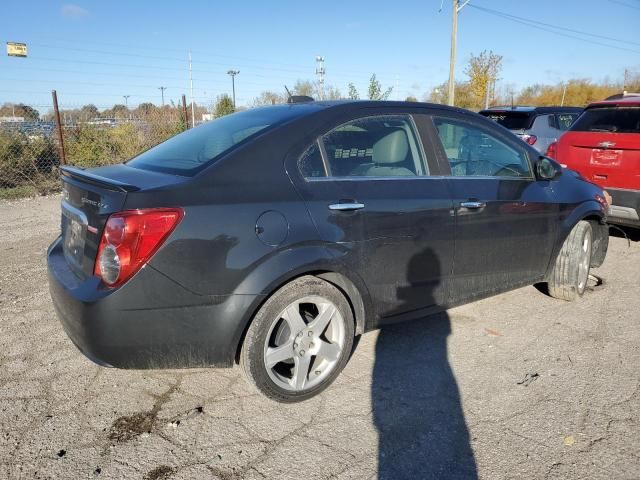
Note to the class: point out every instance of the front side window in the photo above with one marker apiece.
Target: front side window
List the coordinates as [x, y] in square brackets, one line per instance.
[473, 151]
[380, 146]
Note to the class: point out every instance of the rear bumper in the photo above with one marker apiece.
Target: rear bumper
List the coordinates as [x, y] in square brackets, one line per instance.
[625, 208]
[149, 322]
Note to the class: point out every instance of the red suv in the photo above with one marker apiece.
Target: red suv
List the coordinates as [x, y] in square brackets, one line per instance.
[604, 146]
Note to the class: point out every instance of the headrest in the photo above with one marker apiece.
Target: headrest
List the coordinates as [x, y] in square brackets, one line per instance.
[392, 148]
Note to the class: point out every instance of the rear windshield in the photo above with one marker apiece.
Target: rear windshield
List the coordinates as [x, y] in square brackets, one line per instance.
[191, 151]
[609, 119]
[511, 120]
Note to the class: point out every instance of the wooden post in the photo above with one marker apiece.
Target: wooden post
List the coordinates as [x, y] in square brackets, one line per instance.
[54, 95]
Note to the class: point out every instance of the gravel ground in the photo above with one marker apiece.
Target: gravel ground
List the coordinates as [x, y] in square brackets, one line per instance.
[516, 386]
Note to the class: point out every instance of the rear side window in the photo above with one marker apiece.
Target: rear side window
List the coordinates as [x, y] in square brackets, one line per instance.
[189, 152]
[609, 119]
[563, 121]
[379, 146]
[511, 120]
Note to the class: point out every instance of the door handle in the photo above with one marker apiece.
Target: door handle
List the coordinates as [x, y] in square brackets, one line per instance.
[346, 206]
[473, 204]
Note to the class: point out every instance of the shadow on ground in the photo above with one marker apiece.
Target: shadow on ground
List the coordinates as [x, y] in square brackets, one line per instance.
[416, 402]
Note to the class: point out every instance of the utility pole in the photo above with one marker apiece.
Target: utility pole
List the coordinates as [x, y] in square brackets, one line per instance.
[233, 74]
[624, 85]
[457, 8]
[564, 92]
[320, 72]
[162, 89]
[193, 110]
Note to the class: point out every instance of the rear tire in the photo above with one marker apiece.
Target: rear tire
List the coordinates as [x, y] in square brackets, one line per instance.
[299, 341]
[570, 273]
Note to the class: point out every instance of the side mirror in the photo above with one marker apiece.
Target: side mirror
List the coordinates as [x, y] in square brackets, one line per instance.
[547, 169]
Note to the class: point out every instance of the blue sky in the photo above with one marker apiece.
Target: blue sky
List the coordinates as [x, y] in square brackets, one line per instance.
[96, 52]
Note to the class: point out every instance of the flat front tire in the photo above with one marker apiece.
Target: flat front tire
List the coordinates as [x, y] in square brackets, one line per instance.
[570, 273]
[299, 341]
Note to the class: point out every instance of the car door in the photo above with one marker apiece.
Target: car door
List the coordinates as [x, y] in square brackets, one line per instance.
[367, 187]
[505, 218]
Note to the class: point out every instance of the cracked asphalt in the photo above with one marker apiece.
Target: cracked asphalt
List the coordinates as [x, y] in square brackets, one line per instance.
[516, 386]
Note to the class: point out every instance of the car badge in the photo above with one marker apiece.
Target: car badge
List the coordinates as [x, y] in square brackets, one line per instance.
[606, 144]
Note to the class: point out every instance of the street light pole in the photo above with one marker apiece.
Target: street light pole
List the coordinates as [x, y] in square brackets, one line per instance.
[126, 100]
[457, 8]
[233, 74]
[162, 89]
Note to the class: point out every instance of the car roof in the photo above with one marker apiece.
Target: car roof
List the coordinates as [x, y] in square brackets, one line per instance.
[629, 101]
[532, 109]
[315, 106]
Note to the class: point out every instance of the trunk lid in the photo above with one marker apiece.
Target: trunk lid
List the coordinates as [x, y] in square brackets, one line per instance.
[88, 198]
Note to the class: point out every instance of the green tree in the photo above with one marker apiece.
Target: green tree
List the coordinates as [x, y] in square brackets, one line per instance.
[411, 98]
[29, 113]
[353, 92]
[117, 111]
[224, 106]
[89, 111]
[375, 89]
[145, 109]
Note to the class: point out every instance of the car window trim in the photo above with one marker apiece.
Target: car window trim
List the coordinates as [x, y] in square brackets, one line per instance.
[368, 179]
[323, 156]
[508, 141]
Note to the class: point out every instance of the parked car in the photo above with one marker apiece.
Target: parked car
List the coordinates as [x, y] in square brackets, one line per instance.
[538, 126]
[272, 237]
[604, 146]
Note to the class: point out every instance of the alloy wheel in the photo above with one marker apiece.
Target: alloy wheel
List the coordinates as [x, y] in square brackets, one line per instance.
[304, 343]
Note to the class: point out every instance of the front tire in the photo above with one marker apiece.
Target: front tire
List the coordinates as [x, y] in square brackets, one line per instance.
[570, 273]
[299, 341]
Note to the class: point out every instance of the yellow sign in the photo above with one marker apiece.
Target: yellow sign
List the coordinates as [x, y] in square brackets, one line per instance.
[16, 49]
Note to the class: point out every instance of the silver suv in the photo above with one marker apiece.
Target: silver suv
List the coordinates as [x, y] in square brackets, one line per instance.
[538, 126]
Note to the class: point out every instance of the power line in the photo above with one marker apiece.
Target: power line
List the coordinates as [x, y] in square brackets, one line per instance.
[552, 28]
[172, 68]
[580, 32]
[234, 59]
[618, 2]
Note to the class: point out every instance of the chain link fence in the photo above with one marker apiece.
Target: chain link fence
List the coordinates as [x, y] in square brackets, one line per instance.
[31, 151]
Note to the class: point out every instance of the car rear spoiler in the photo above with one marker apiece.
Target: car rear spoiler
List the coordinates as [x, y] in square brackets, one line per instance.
[93, 179]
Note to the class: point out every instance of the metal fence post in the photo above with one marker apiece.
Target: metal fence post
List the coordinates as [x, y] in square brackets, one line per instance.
[54, 95]
[184, 111]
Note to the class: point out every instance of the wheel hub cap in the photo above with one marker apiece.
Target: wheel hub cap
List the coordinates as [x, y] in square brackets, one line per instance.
[310, 351]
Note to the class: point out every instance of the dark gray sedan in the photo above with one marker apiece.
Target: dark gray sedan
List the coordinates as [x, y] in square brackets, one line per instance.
[274, 236]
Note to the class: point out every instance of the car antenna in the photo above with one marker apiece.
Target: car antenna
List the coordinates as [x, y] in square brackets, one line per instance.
[288, 94]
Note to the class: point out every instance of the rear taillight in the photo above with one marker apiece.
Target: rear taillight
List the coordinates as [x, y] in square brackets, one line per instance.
[129, 240]
[552, 150]
[604, 200]
[530, 139]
